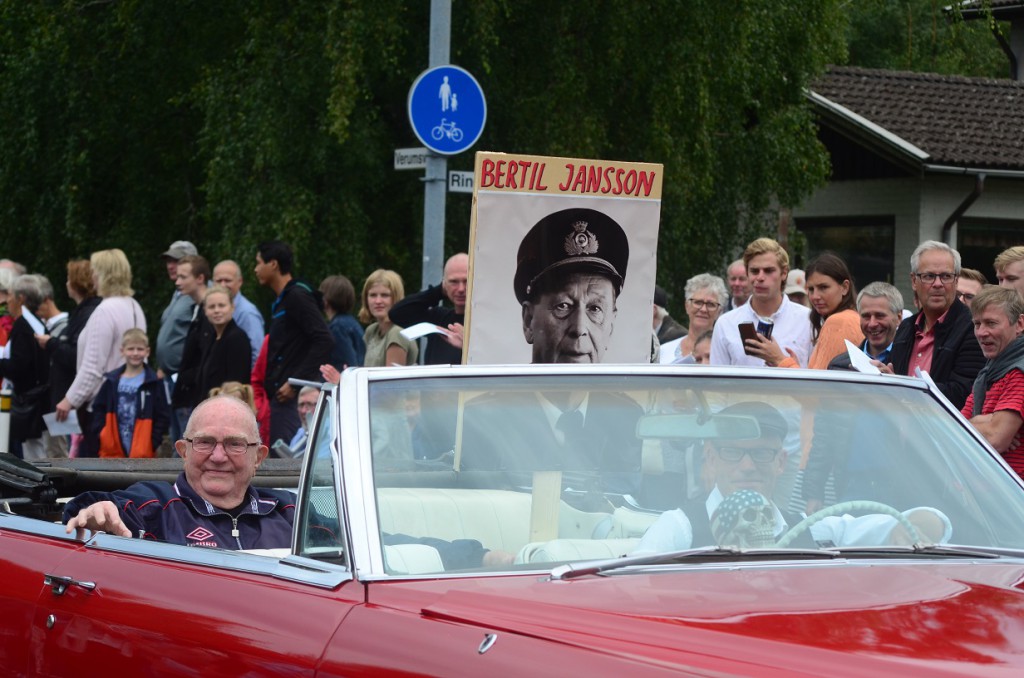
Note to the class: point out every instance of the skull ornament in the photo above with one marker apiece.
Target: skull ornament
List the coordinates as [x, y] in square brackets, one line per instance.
[745, 519]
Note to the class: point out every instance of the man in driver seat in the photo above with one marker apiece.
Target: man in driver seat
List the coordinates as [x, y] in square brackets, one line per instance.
[737, 513]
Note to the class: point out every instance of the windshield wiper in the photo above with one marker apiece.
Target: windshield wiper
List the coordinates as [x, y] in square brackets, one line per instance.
[581, 569]
[573, 570]
[930, 550]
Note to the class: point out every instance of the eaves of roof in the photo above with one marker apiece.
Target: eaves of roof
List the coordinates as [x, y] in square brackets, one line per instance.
[1001, 9]
[927, 122]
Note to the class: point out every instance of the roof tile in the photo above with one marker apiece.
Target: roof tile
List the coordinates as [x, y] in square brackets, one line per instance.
[960, 121]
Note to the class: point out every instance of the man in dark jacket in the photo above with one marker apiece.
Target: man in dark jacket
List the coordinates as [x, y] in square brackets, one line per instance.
[427, 307]
[212, 504]
[940, 337]
[218, 507]
[299, 339]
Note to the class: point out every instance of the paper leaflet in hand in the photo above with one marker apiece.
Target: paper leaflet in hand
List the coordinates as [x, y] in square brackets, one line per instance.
[418, 330]
[860, 360]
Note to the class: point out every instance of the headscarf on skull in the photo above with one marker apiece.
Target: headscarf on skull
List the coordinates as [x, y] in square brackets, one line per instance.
[744, 519]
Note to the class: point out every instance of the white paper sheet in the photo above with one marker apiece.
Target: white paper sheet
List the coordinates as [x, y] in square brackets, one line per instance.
[860, 360]
[62, 428]
[418, 330]
[37, 326]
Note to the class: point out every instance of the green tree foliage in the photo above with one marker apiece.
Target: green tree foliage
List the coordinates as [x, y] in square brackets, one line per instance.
[135, 123]
[919, 35]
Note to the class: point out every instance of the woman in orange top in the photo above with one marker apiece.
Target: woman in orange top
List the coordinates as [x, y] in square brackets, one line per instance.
[834, 317]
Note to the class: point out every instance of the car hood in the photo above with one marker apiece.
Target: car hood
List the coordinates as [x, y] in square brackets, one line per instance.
[966, 617]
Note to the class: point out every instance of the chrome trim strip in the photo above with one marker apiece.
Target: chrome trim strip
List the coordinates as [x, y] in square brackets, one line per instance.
[16, 523]
[291, 568]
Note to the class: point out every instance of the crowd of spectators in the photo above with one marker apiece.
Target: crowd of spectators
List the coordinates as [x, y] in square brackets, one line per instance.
[112, 396]
[92, 367]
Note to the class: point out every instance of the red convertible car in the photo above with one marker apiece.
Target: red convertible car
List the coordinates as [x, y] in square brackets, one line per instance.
[566, 520]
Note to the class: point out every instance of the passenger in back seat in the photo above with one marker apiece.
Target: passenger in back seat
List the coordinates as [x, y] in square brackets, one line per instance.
[213, 504]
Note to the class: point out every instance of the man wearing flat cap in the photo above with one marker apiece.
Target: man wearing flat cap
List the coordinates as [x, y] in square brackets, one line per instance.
[174, 323]
[570, 270]
[739, 511]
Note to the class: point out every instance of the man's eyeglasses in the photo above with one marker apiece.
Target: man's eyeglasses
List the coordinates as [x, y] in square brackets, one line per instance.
[206, 445]
[709, 305]
[929, 278]
[965, 297]
[760, 455]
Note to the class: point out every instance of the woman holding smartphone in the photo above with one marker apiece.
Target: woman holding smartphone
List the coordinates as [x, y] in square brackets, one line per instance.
[834, 317]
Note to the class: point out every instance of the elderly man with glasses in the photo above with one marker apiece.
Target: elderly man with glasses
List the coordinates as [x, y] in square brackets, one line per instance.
[939, 338]
[211, 503]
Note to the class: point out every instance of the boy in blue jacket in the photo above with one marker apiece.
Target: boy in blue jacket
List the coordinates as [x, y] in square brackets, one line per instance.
[130, 412]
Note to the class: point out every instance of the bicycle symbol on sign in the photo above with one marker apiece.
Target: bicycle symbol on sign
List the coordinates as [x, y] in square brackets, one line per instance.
[446, 129]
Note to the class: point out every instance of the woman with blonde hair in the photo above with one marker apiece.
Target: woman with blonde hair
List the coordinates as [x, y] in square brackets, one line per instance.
[100, 341]
[215, 351]
[385, 344]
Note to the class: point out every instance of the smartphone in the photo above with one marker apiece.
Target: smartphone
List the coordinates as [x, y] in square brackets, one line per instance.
[747, 331]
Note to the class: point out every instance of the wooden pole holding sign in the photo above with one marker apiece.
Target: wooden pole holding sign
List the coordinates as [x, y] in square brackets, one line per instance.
[545, 505]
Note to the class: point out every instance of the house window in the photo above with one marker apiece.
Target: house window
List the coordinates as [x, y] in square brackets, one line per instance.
[866, 244]
[979, 241]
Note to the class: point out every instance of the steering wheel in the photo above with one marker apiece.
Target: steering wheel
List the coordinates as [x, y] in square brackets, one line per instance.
[846, 507]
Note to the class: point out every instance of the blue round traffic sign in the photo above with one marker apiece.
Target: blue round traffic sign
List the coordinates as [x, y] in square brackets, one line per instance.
[447, 109]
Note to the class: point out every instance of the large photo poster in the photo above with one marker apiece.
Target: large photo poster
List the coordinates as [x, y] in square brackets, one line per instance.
[562, 260]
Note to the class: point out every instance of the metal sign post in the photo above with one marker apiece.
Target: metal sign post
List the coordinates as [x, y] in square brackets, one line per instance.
[447, 112]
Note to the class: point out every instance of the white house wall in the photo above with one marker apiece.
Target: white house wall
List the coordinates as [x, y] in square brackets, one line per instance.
[919, 207]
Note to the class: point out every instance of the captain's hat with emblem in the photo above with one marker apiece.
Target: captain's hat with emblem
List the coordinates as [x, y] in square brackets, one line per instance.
[572, 240]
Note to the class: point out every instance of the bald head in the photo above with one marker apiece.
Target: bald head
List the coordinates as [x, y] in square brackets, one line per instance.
[456, 280]
[223, 407]
[221, 450]
[229, 274]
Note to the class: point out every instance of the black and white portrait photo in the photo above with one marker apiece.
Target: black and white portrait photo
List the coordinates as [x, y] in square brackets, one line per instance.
[559, 277]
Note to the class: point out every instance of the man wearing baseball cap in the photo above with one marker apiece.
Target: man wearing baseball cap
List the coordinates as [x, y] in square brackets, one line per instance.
[570, 269]
[174, 324]
[796, 287]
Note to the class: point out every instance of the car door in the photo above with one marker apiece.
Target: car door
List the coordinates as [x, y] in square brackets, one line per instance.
[27, 547]
[143, 608]
[139, 607]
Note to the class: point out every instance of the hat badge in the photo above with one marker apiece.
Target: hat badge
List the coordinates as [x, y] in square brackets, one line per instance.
[580, 241]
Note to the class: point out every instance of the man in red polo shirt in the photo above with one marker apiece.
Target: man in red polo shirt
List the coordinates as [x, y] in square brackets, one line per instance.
[996, 405]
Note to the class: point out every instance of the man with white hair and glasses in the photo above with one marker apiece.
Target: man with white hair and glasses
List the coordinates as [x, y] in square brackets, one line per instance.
[215, 504]
[939, 338]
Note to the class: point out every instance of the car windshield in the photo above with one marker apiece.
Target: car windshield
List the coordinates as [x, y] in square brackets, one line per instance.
[503, 471]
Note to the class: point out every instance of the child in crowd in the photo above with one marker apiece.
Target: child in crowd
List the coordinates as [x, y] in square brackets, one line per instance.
[130, 413]
[238, 390]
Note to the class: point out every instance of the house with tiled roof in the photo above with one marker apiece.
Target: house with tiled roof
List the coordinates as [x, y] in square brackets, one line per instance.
[916, 156]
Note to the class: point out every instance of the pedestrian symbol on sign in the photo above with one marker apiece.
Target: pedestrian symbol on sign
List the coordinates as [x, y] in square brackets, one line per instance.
[445, 94]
